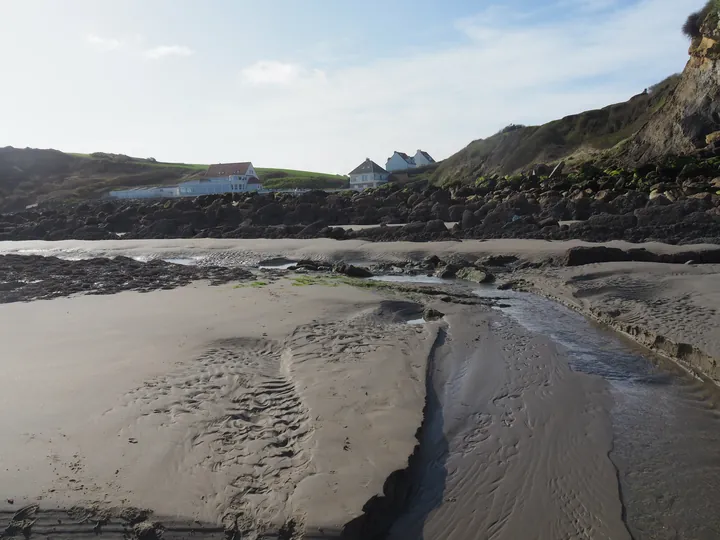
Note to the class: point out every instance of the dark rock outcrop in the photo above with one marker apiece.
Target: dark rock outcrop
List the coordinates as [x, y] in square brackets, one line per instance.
[31, 277]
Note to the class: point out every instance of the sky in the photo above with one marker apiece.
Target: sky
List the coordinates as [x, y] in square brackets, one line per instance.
[317, 84]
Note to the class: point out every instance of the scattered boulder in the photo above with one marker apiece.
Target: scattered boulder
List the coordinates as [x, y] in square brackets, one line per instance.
[351, 270]
[520, 285]
[431, 314]
[582, 255]
[499, 260]
[557, 171]
[432, 261]
[476, 275]
[448, 271]
[674, 200]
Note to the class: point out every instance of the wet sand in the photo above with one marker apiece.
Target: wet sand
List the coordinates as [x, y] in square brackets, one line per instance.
[290, 408]
[669, 308]
[250, 408]
[518, 441]
[238, 252]
[295, 408]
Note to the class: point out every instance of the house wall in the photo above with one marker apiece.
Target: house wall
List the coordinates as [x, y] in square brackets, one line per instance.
[149, 193]
[421, 160]
[359, 182]
[397, 163]
[212, 186]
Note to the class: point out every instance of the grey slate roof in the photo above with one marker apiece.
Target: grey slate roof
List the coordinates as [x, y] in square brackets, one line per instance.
[368, 167]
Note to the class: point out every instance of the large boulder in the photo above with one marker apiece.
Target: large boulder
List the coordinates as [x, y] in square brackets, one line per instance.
[351, 270]
[476, 275]
[435, 226]
[629, 201]
[611, 221]
[656, 216]
[448, 271]
[468, 220]
[270, 214]
[431, 314]
[582, 255]
[456, 212]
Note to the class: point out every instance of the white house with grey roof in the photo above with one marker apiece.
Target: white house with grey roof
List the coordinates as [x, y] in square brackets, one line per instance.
[400, 161]
[368, 175]
[423, 159]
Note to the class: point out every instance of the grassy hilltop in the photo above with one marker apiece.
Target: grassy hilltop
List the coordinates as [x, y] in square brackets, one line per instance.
[29, 176]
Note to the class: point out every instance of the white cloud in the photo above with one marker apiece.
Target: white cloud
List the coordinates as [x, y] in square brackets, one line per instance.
[513, 68]
[524, 67]
[163, 51]
[104, 44]
[268, 72]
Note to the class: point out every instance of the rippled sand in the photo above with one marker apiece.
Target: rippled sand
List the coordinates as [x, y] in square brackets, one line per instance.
[255, 409]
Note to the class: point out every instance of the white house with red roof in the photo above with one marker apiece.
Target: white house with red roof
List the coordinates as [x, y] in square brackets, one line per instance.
[220, 178]
[223, 178]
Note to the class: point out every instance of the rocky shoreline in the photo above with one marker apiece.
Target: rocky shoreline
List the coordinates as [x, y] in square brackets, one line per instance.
[25, 278]
[33, 277]
[676, 202]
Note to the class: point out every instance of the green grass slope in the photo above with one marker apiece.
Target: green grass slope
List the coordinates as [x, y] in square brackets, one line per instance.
[29, 176]
[579, 136]
[291, 179]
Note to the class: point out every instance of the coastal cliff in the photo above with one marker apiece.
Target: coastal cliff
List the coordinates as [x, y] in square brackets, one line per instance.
[690, 119]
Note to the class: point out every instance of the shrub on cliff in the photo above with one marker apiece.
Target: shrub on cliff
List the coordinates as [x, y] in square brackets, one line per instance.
[511, 127]
[693, 25]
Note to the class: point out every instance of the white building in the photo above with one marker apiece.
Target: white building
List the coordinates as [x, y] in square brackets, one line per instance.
[223, 178]
[422, 159]
[368, 175]
[146, 193]
[400, 161]
[220, 178]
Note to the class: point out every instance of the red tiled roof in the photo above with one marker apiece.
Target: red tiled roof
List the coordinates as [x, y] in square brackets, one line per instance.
[254, 180]
[227, 169]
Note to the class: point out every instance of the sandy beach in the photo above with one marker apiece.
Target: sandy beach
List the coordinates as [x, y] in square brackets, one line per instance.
[273, 410]
[267, 407]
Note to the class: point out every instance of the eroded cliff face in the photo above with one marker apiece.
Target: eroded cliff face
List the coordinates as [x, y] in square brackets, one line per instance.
[690, 118]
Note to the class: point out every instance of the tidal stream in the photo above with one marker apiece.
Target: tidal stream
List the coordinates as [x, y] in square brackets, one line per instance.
[665, 425]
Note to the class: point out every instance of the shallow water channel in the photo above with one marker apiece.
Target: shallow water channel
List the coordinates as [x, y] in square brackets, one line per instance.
[665, 423]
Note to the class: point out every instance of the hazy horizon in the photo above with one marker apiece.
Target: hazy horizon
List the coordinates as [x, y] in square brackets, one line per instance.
[322, 85]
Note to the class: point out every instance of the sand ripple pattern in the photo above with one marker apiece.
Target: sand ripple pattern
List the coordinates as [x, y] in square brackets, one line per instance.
[518, 445]
[248, 423]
